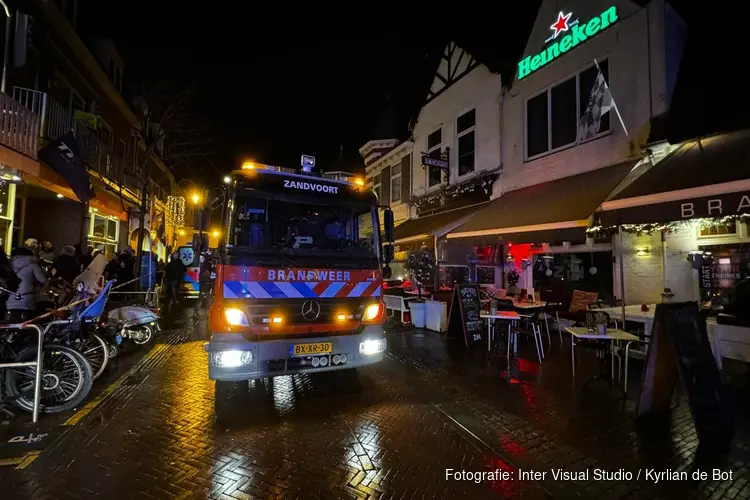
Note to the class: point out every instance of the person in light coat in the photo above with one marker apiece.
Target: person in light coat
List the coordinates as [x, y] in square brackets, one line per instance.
[22, 305]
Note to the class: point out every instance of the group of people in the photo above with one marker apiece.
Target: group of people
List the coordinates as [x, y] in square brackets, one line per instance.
[32, 265]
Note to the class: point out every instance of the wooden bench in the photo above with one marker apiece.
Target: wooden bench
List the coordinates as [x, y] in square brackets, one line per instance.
[397, 303]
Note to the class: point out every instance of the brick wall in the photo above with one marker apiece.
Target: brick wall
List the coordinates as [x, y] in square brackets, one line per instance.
[59, 221]
[643, 273]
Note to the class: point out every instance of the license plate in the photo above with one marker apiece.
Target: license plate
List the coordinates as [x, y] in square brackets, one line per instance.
[312, 349]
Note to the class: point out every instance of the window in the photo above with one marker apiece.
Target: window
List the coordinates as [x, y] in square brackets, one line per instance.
[465, 130]
[103, 233]
[396, 183]
[434, 142]
[552, 117]
[726, 229]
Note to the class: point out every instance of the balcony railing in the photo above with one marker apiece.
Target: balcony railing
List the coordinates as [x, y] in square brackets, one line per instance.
[19, 126]
[98, 156]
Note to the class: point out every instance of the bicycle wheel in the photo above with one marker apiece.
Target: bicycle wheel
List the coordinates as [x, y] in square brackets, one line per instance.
[67, 378]
[96, 351]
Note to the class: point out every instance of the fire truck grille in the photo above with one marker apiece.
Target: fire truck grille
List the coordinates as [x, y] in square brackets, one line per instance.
[306, 312]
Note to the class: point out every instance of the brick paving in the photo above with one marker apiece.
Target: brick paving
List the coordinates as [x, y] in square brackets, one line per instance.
[389, 432]
[540, 418]
[372, 435]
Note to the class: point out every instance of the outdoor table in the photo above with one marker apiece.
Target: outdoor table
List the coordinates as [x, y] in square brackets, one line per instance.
[502, 315]
[612, 334]
[528, 305]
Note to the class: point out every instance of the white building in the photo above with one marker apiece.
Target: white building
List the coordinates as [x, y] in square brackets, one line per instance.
[459, 126]
[555, 175]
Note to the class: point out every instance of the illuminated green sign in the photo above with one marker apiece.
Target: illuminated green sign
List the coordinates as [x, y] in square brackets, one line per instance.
[576, 34]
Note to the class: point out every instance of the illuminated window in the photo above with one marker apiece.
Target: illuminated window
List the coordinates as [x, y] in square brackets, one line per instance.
[726, 229]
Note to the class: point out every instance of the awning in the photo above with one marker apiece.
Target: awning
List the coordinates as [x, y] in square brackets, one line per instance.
[106, 202]
[700, 179]
[549, 212]
[434, 225]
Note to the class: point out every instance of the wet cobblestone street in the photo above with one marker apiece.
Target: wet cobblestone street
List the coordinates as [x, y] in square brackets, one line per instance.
[388, 431]
[364, 436]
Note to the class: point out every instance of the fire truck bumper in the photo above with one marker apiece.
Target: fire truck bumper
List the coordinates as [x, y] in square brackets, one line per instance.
[232, 357]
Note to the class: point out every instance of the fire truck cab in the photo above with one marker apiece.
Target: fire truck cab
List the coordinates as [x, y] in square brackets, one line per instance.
[299, 279]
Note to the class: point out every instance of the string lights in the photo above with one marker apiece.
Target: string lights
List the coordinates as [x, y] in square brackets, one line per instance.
[482, 183]
[669, 227]
[175, 215]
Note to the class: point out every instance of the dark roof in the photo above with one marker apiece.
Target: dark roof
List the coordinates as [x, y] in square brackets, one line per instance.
[714, 160]
[709, 93]
[438, 223]
[572, 198]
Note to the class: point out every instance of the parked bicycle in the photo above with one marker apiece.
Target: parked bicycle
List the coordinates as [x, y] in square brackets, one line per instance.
[66, 376]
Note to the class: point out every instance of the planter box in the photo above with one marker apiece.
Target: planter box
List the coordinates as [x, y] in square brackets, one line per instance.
[436, 316]
[417, 313]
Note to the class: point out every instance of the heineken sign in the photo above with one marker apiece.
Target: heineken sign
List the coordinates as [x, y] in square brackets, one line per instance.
[575, 33]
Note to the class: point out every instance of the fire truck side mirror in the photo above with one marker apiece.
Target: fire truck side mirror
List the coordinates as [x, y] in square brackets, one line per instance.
[387, 273]
[388, 253]
[388, 225]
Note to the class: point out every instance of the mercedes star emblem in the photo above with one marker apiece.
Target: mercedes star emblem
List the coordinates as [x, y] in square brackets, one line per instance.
[310, 310]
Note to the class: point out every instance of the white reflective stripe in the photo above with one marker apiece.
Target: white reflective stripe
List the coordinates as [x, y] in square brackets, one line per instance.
[333, 289]
[359, 289]
[288, 289]
[311, 284]
[228, 293]
[255, 290]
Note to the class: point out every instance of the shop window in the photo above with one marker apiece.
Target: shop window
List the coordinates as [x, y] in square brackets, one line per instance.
[724, 229]
[396, 183]
[466, 142]
[104, 233]
[434, 143]
[552, 117]
[7, 209]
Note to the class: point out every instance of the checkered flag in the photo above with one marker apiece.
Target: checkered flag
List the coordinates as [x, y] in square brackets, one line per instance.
[600, 102]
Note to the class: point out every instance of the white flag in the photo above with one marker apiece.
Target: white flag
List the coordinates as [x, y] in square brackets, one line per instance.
[600, 102]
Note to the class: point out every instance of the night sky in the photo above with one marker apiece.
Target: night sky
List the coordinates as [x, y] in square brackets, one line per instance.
[273, 88]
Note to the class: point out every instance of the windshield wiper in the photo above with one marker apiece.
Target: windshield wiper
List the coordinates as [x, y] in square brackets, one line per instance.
[288, 259]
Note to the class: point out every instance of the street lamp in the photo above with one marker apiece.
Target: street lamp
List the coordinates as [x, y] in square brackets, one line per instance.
[227, 179]
[196, 198]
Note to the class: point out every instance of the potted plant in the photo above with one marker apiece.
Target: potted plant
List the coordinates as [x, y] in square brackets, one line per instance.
[513, 279]
[421, 265]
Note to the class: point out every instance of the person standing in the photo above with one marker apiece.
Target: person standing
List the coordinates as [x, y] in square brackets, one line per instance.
[22, 305]
[173, 275]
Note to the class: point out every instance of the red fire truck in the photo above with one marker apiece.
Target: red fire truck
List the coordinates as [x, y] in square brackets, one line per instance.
[299, 280]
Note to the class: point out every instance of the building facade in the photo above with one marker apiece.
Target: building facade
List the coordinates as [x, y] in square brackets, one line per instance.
[66, 85]
[557, 169]
[456, 156]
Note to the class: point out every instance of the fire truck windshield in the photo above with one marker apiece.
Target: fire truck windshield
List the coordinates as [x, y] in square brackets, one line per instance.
[303, 230]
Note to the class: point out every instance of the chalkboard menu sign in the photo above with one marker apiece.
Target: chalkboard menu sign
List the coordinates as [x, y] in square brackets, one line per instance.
[464, 313]
[679, 345]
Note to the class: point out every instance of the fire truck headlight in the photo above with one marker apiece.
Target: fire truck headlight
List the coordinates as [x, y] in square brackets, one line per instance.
[235, 317]
[370, 347]
[373, 312]
[232, 359]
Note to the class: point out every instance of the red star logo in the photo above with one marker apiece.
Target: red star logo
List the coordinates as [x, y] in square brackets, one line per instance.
[561, 24]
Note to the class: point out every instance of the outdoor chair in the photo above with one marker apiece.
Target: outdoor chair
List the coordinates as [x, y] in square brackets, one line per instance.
[553, 309]
[533, 328]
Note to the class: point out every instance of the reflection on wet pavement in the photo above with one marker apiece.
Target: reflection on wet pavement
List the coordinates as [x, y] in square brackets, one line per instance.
[365, 434]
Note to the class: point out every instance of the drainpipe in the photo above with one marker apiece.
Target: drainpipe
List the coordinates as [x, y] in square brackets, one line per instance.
[6, 54]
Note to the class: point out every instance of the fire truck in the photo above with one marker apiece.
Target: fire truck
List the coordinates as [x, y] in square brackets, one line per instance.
[299, 279]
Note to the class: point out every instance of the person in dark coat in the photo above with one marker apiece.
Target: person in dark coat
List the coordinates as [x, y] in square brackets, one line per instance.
[174, 273]
[126, 272]
[66, 265]
[204, 281]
